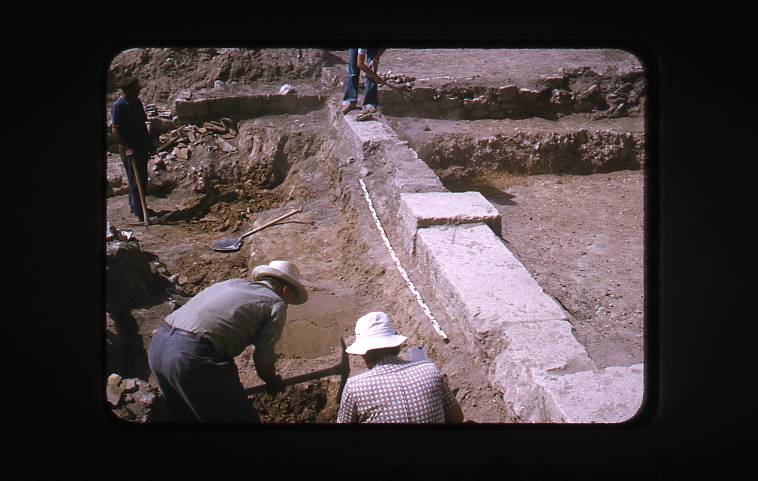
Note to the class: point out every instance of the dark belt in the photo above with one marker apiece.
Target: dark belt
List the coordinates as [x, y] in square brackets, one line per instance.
[193, 335]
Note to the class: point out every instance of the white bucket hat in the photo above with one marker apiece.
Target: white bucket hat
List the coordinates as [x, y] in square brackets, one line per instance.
[286, 271]
[374, 331]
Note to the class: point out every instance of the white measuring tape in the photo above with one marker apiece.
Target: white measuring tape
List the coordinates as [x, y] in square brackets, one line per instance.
[415, 292]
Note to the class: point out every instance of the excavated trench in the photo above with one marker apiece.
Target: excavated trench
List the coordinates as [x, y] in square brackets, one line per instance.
[279, 164]
[216, 197]
[287, 160]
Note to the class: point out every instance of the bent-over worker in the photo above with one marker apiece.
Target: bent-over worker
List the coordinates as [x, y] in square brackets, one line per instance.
[192, 353]
[393, 390]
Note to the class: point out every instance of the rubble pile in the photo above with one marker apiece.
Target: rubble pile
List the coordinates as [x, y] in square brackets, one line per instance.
[607, 95]
[398, 78]
[603, 95]
[152, 111]
[180, 143]
[133, 399]
[311, 402]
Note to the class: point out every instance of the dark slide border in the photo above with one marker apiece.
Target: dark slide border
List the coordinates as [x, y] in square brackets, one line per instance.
[55, 178]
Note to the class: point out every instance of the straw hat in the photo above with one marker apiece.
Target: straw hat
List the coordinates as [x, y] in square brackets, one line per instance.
[374, 331]
[285, 271]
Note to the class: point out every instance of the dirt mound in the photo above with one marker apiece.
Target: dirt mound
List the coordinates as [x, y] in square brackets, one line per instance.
[299, 404]
[164, 72]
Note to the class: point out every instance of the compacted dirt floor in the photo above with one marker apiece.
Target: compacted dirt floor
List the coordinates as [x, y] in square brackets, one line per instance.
[581, 236]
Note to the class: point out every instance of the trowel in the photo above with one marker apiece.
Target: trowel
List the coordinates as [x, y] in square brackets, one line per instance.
[234, 244]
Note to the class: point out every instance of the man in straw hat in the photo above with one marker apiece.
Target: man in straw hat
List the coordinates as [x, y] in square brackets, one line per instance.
[192, 352]
[393, 390]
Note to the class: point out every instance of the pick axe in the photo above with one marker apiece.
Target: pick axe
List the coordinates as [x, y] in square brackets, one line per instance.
[343, 369]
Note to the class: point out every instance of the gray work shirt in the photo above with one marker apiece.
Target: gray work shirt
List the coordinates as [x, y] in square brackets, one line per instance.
[234, 314]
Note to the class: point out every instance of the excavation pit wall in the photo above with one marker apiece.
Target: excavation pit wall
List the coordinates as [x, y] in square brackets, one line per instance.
[571, 91]
[452, 241]
[245, 106]
[574, 145]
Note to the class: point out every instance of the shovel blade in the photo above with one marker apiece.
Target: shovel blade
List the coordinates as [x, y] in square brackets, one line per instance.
[227, 245]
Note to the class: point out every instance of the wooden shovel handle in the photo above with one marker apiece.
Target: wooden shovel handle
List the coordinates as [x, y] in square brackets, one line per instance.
[253, 231]
[138, 179]
[329, 371]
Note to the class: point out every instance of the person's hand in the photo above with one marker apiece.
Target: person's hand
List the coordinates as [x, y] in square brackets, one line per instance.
[129, 152]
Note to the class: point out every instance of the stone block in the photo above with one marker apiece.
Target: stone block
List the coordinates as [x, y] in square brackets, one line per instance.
[138, 411]
[508, 92]
[419, 210]
[528, 95]
[367, 135]
[483, 284]
[553, 81]
[129, 385]
[409, 179]
[113, 393]
[144, 396]
[610, 395]
[534, 350]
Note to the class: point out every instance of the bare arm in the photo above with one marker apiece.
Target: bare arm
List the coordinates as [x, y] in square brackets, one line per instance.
[375, 61]
[267, 372]
[370, 73]
[266, 339]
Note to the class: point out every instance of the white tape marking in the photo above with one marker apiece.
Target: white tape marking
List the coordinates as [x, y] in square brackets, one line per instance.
[400, 266]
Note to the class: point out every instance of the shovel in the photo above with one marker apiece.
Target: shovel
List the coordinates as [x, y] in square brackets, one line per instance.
[138, 179]
[233, 245]
[343, 369]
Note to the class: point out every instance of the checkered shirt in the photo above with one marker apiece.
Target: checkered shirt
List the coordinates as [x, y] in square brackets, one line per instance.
[396, 391]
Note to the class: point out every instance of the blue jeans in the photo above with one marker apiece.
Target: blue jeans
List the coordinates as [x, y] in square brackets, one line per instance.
[353, 73]
[141, 157]
[198, 385]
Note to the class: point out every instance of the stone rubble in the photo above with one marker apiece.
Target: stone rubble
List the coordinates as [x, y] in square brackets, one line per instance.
[179, 143]
[113, 233]
[133, 399]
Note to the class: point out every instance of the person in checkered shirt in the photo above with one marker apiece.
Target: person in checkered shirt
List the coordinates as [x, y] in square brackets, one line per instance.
[393, 390]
